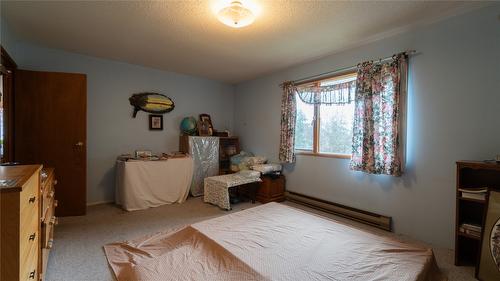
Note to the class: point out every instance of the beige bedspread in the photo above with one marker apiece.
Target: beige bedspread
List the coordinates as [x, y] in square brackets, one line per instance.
[270, 242]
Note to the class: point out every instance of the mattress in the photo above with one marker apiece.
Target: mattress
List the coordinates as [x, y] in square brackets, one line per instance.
[270, 242]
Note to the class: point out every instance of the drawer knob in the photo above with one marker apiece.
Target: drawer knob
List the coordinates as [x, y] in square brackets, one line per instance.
[55, 182]
[56, 203]
[32, 237]
[32, 274]
[32, 199]
[50, 243]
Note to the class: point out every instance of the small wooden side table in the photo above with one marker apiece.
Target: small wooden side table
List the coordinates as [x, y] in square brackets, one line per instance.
[272, 189]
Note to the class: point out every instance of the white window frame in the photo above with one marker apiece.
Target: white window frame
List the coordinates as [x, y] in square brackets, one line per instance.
[317, 119]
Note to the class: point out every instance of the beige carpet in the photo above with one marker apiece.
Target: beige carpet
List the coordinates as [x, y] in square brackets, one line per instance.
[78, 255]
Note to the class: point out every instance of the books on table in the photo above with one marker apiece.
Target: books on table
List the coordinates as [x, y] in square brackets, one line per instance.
[474, 193]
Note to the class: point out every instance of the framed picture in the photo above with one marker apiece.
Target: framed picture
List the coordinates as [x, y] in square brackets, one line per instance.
[206, 121]
[203, 129]
[155, 122]
[489, 261]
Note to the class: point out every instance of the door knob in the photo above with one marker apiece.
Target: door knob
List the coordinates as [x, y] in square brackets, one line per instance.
[79, 144]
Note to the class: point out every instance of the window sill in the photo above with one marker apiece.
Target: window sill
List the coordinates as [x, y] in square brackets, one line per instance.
[327, 155]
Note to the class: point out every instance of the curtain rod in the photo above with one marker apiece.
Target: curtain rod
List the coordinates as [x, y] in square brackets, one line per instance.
[340, 70]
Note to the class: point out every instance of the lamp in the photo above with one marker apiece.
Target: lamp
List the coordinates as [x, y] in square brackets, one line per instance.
[236, 14]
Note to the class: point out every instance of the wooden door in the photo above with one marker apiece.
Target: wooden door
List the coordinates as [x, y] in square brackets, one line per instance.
[50, 129]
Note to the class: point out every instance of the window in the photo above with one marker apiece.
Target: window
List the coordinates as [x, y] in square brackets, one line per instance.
[326, 129]
[304, 128]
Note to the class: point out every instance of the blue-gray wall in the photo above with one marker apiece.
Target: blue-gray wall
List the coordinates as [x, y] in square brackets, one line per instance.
[453, 114]
[111, 130]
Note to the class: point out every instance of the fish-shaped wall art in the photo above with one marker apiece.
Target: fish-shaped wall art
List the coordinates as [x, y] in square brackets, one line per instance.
[151, 102]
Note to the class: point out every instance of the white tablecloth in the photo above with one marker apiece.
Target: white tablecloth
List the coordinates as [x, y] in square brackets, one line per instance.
[217, 188]
[144, 184]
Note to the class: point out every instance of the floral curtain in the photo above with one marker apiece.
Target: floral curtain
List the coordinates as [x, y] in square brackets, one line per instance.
[342, 93]
[288, 118]
[378, 147]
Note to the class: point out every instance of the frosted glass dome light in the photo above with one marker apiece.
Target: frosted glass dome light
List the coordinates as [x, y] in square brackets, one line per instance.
[236, 14]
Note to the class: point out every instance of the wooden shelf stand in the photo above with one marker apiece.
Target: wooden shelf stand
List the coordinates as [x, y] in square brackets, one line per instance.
[228, 146]
[472, 174]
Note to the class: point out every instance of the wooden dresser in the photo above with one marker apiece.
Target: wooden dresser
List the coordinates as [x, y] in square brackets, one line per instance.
[20, 222]
[470, 175]
[21, 233]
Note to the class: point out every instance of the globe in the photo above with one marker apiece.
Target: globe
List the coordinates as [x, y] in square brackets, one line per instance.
[188, 125]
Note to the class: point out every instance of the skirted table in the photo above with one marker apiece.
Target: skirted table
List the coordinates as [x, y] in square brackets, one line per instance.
[145, 184]
[216, 189]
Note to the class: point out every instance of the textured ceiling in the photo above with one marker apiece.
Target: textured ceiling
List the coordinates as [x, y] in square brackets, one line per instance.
[186, 37]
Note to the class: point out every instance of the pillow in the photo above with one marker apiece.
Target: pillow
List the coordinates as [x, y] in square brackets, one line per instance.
[267, 168]
[250, 174]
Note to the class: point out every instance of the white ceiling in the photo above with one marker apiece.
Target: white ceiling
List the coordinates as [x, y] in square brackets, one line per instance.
[186, 37]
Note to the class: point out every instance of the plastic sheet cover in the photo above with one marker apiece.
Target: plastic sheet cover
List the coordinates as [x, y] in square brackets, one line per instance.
[205, 153]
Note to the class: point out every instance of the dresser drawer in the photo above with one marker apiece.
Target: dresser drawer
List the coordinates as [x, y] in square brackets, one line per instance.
[29, 205]
[29, 260]
[48, 227]
[48, 193]
[29, 219]
[48, 209]
[28, 237]
[48, 234]
[30, 272]
[29, 195]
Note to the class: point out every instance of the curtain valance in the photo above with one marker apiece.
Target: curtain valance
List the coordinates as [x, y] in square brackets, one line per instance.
[341, 93]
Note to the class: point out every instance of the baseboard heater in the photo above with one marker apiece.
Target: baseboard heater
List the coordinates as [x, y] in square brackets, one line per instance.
[365, 217]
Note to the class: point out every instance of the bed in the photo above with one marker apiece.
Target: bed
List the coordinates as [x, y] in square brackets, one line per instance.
[270, 242]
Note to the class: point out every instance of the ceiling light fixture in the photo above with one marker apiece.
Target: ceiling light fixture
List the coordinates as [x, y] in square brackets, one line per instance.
[236, 14]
